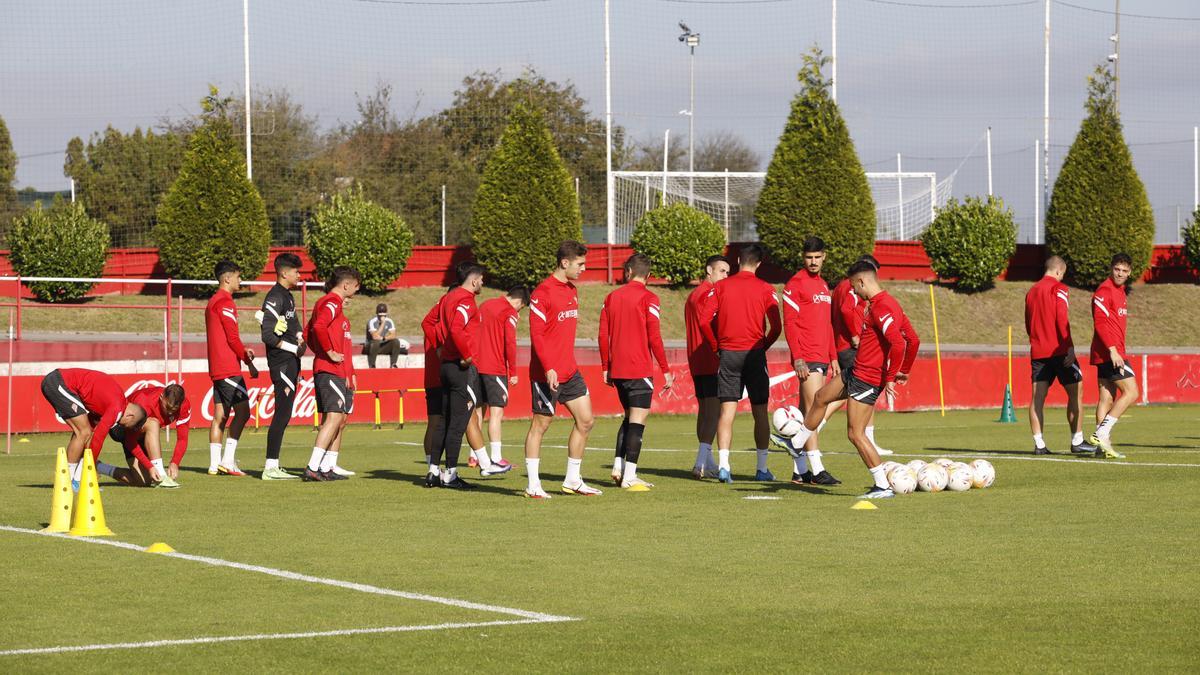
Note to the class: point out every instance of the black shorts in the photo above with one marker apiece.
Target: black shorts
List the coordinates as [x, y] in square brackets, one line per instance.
[847, 357]
[230, 391]
[495, 391]
[1050, 369]
[66, 403]
[820, 367]
[744, 370]
[1106, 371]
[333, 396]
[705, 385]
[435, 401]
[858, 390]
[285, 375]
[545, 401]
[635, 393]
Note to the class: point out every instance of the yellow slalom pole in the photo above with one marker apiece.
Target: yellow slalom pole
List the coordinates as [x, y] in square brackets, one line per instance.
[1010, 380]
[937, 350]
[400, 408]
[378, 416]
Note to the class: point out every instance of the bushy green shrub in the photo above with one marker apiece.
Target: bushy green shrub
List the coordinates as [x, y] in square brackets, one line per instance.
[1191, 242]
[1099, 206]
[60, 242]
[971, 241]
[815, 184]
[212, 212]
[678, 239]
[352, 230]
[526, 205]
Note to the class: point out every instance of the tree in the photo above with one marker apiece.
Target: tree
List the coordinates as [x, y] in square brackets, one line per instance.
[1099, 206]
[212, 211]
[678, 239]
[351, 230]
[971, 241]
[1191, 242]
[815, 183]
[60, 242]
[723, 150]
[8, 174]
[526, 204]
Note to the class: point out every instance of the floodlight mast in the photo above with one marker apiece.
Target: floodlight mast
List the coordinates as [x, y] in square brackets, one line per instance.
[691, 40]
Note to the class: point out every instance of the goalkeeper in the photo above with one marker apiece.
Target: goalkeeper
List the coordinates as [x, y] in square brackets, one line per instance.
[284, 338]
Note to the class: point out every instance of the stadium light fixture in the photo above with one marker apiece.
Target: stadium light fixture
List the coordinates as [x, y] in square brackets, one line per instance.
[692, 40]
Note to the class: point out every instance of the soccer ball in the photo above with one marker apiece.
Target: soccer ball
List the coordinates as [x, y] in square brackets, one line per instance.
[890, 466]
[960, 479]
[916, 465]
[985, 473]
[787, 421]
[902, 480]
[932, 478]
[959, 465]
[944, 463]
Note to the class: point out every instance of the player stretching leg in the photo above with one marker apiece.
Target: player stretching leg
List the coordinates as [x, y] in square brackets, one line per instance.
[226, 353]
[284, 338]
[746, 313]
[91, 403]
[553, 372]
[702, 362]
[887, 349]
[1052, 355]
[1118, 387]
[630, 342]
[165, 407]
[333, 371]
[498, 363]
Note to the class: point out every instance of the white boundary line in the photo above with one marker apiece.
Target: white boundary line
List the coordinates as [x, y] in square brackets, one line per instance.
[524, 616]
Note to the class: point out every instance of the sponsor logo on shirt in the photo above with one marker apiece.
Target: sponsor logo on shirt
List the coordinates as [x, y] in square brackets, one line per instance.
[568, 314]
[1123, 312]
[818, 298]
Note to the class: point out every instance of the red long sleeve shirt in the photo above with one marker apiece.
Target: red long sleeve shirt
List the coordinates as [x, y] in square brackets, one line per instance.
[912, 342]
[630, 333]
[329, 331]
[102, 398]
[847, 314]
[553, 318]
[702, 359]
[460, 324]
[807, 321]
[150, 398]
[430, 328]
[741, 305]
[497, 338]
[1109, 313]
[225, 348]
[1047, 321]
[881, 347]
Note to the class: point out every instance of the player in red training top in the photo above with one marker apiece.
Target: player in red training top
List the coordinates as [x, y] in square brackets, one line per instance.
[226, 353]
[1052, 355]
[808, 326]
[497, 362]
[702, 362]
[1118, 387]
[328, 335]
[553, 373]
[886, 352]
[165, 407]
[746, 313]
[630, 343]
[91, 403]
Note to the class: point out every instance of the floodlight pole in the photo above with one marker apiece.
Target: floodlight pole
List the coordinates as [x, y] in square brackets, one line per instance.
[246, 66]
[610, 217]
[1037, 190]
[666, 163]
[1046, 107]
[989, 160]
[1195, 169]
[691, 40]
[900, 193]
[833, 58]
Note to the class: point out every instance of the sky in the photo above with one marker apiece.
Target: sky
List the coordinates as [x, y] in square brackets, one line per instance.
[919, 80]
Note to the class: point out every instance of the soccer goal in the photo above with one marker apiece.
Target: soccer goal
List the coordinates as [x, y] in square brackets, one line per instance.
[905, 202]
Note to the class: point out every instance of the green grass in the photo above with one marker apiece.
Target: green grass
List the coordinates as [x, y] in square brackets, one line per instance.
[1062, 565]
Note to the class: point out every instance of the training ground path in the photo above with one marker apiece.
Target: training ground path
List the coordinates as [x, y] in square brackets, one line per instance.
[521, 616]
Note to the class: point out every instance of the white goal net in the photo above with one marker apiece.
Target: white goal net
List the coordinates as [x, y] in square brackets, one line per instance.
[905, 203]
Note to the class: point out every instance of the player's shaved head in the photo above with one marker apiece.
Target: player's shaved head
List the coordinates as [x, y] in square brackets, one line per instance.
[1056, 264]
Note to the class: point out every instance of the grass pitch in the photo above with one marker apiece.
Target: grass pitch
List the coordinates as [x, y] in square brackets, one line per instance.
[1063, 565]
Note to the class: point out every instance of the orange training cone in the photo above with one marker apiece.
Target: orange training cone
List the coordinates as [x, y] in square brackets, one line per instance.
[60, 504]
[87, 518]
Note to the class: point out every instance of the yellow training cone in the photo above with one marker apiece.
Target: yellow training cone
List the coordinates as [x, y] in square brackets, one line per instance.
[863, 505]
[22, 440]
[60, 504]
[87, 518]
[159, 547]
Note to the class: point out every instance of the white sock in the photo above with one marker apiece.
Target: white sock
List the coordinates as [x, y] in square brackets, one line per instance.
[271, 464]
[1077, 438]
[496, 456]
[75, 470]
[723, 459]
[802, 437]
[329, 461]
[702, 454]
[105, 469]
[801, 462]
[481, 456]
[880, 476]
[821, 426]
[214, 456]
[630, 472]
[1104, 429]
[762, 459]
[871, 436]
[531, 468]
[449, 475]
[573, 475]
[1039, 441]
[814, 460]
[157, 464]
[617, 463]
[434, 468]
[314, 461]
[427, 460]
[230, 457]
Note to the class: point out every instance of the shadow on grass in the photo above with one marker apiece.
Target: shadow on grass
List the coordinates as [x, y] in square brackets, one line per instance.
[483, 485]
[990, 451]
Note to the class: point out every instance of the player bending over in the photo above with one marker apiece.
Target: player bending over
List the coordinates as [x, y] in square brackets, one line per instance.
[702, 362]
[226, 353]
[630, 343]
[553, 372]
[1115, 378]
[91, 403]
[284, 338]
[887, 349]
[165, 407]
[333, 371]
[497, 362]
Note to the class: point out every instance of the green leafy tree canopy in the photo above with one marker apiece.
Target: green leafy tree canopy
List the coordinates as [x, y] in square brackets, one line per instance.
[60, 242]
[971, 241]
[678, 239]
[352, 230]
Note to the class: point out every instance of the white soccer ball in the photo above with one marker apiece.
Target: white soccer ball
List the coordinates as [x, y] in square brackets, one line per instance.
[943, 462]
[787, 422]
[960, 479]
[902, 480]
[890, 466]
[985, 473]
[916, 465]
[932, 478]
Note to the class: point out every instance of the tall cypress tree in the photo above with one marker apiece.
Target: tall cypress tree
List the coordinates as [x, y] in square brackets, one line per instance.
[815, 184]
[1099, 205]
[8, 173]
[525, 206]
